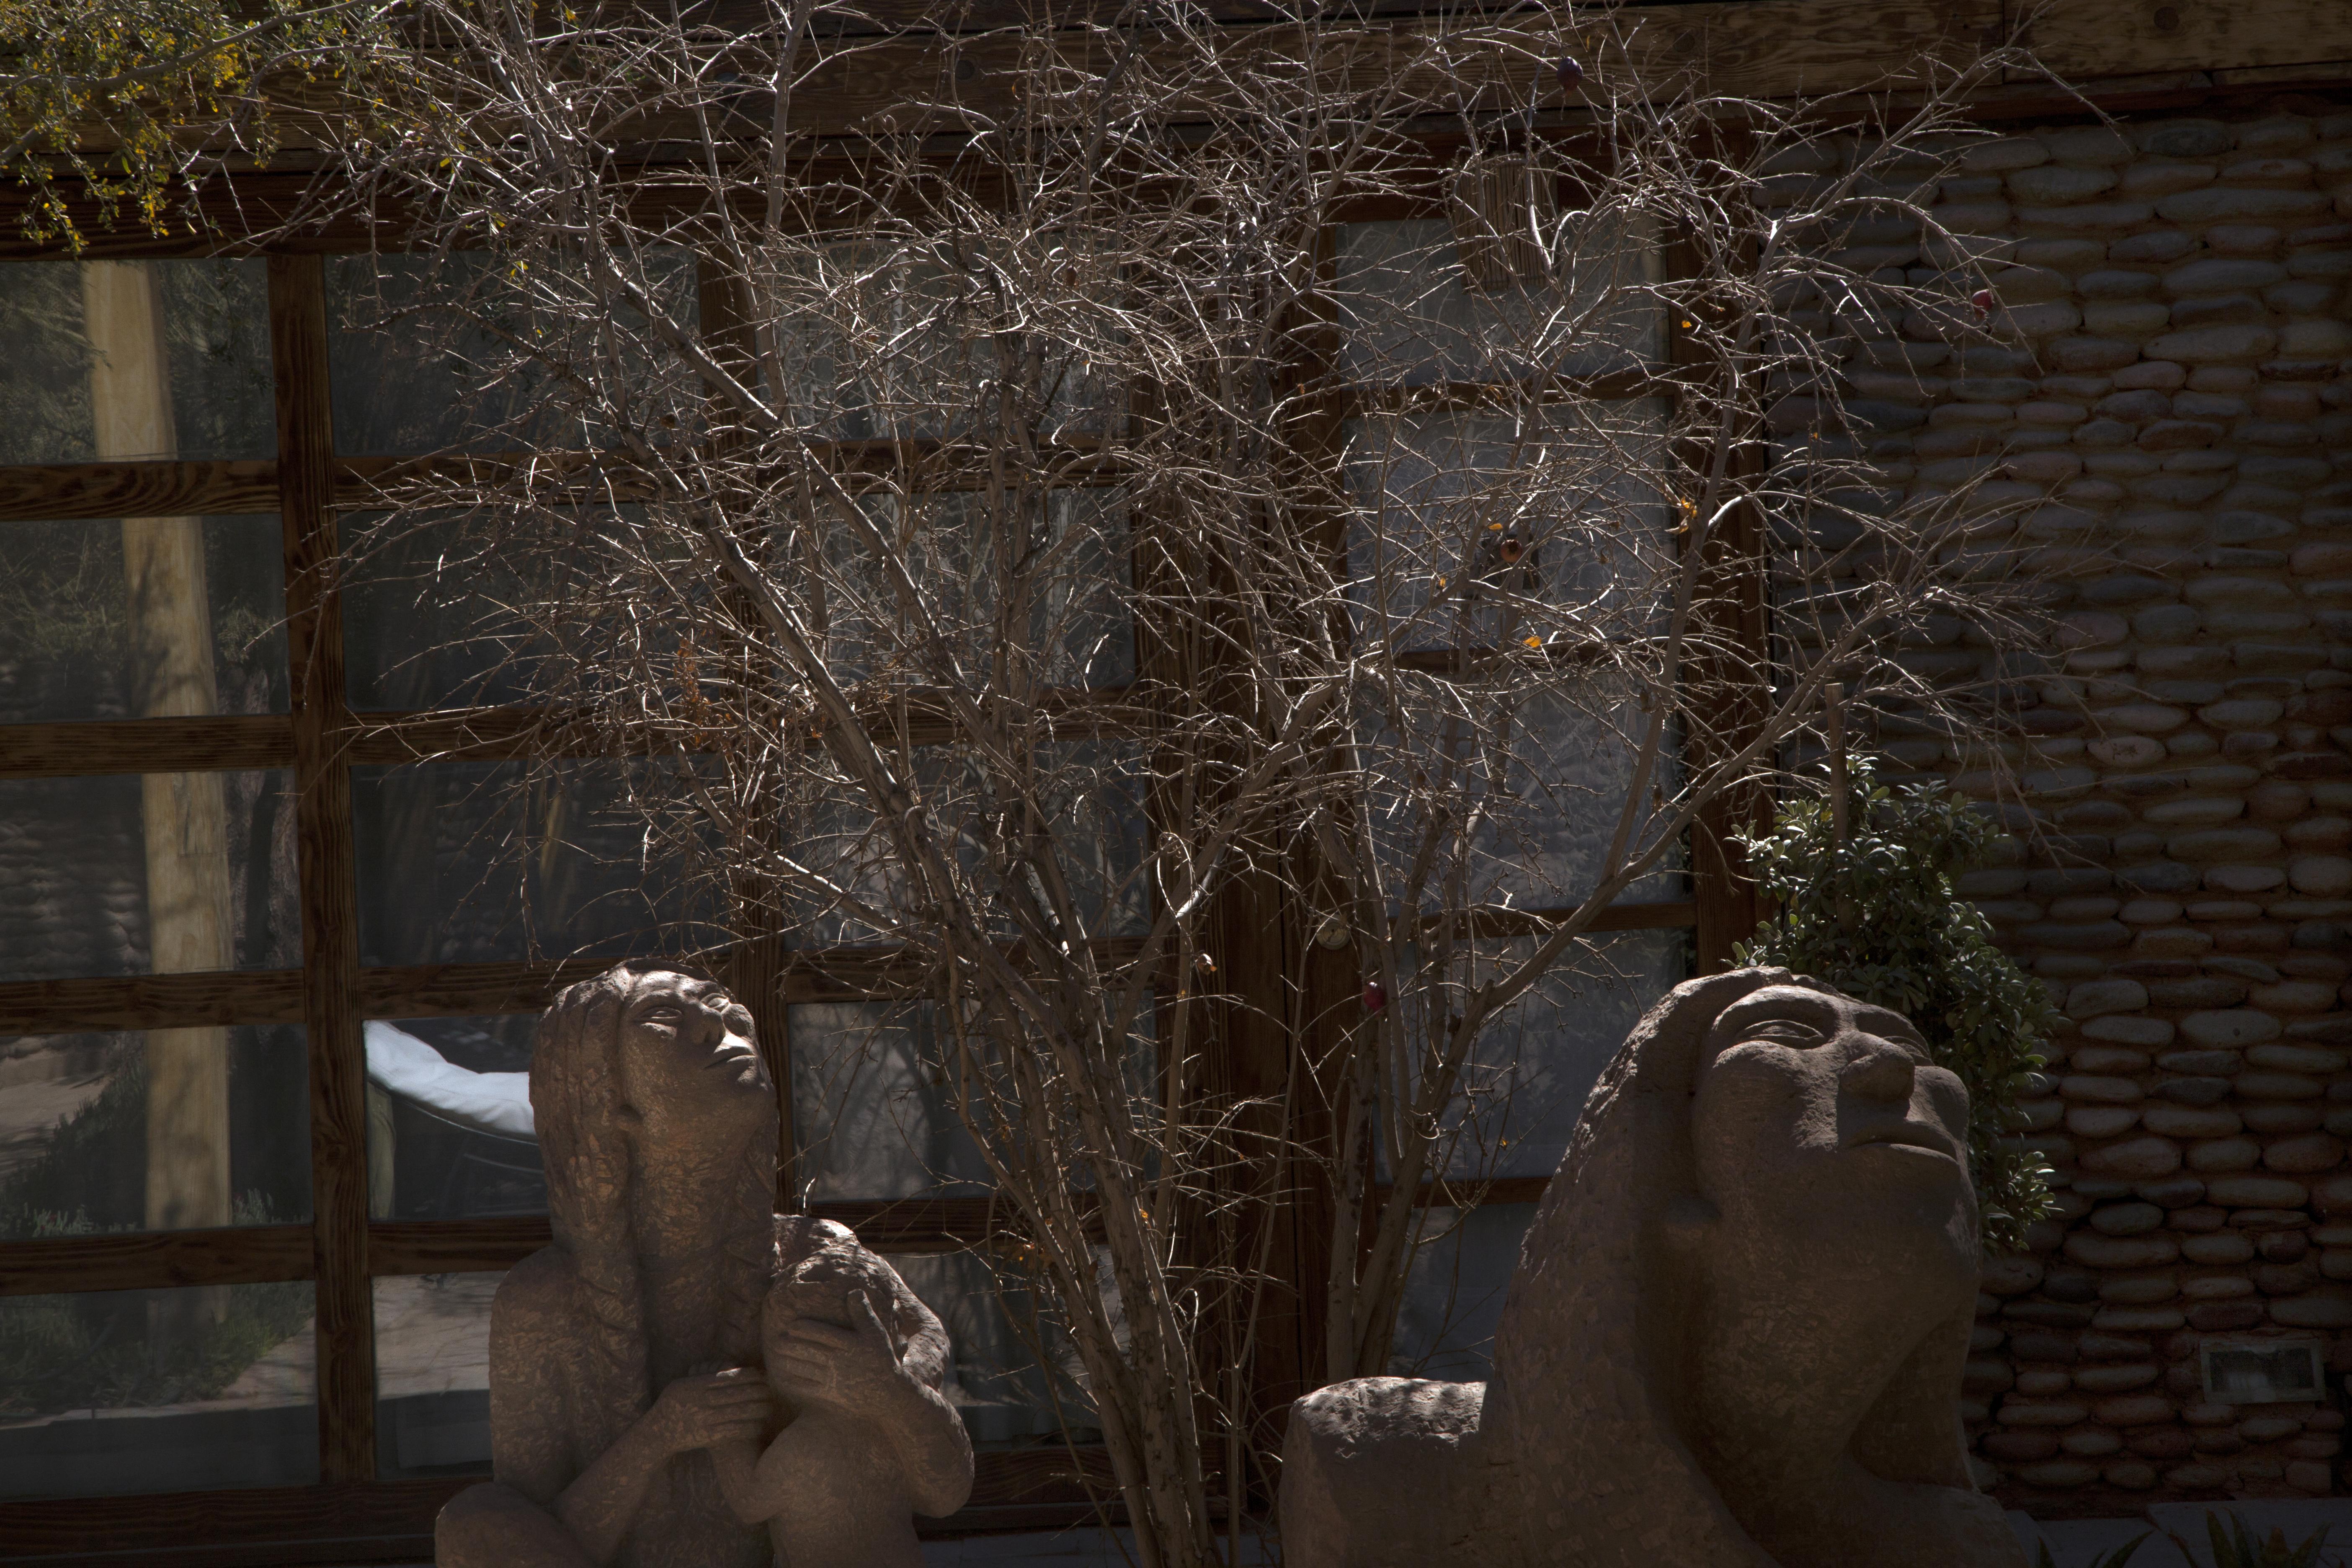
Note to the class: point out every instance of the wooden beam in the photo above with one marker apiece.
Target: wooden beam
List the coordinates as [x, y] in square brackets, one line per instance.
[136, 490]
[150, 1002]
[354, 1521]
[155, 1260]
[326, 871]
[454, 1245]
[392, 1522]
[2083, 40]
[204, 744]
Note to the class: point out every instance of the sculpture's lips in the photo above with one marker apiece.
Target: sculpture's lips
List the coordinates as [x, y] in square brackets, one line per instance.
[733, 1058]
[1907, 1135]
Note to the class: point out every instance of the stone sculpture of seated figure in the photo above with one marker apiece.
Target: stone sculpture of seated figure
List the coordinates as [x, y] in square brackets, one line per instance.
[627, 1354]
[1735, 1337]
[840, 1483]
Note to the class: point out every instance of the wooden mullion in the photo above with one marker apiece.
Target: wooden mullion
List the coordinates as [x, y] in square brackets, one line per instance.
[1731, 611]
[392, 1522]
[155, 1260]
[53, 491]
[327, 871]
[206, 744]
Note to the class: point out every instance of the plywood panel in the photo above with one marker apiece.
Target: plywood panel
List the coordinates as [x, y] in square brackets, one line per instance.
[2083, 40]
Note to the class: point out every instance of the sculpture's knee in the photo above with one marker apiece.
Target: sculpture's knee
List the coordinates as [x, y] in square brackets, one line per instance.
[494, 1526]
[1363, 1468]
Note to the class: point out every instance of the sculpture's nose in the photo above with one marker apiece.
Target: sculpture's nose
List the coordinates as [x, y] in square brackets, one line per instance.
[1881, 1070]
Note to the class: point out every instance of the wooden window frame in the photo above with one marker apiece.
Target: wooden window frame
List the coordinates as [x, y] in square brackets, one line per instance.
[349, 1515]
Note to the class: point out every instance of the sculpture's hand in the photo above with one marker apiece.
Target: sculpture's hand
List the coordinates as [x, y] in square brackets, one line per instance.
[841, 1369]
[719, 1408]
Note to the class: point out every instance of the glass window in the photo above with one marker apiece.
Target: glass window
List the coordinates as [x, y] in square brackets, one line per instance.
[161, 873]
[161, 1130]
[450, 1130]
[1017, 1382]
[873, 1114]
[430, 617]
[112, 1391]
[118, 361]
[1438, 497]
[205, 632]
[1075, 558]
[433, 1373]
[1410, 315]
[500, 862]
[1537, 1059]
[1454, 1294]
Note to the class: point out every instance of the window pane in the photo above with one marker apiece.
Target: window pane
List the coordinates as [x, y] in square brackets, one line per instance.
[427, 619]
[497, 862]
[433, 1373]
[206, 633]
[162, 1130]
[134, 360]
[157, 1391]
[450, 1130]
[874, 1114]
[1435, 493]
[1538, 1060]
[1409, 316]
[165, 873]
[1003, 1389]
[1454, 1294]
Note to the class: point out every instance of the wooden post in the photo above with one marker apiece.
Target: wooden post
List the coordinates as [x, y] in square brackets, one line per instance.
[322, 826]
[190, 926]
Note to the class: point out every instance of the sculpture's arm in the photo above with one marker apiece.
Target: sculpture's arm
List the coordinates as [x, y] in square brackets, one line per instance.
[860, 1372]
[532, 1439]
[738, 1464]
[713, 1411]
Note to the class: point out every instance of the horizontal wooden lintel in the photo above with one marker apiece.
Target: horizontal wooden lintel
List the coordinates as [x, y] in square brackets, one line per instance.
[238, 1255]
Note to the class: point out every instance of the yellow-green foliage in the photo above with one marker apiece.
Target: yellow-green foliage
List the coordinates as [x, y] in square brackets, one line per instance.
[132, 99]
[1876, 917]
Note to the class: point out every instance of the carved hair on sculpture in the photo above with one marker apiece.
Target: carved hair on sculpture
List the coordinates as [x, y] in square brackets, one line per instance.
[586, 1127]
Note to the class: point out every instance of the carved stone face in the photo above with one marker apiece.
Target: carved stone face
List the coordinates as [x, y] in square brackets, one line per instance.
[687, 1052]
[1819, 1116]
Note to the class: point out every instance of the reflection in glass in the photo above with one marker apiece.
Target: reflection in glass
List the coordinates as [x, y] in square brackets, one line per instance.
[429, 618]
[873, 1112]
[450, 1130]
[166, 874]
[1454, 1294]
[1411, 318]
[1069, 557]
[76, 642]
[89, 1146]
[1009, 1393]
[499, 862]
[1536, 1060]
[135, 360]
[433, 1373]
[1575, 489]
[157, 1391]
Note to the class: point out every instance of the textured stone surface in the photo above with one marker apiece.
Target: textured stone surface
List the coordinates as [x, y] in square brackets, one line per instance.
[2189, 742]
[1754, 1140]
[613, 1440]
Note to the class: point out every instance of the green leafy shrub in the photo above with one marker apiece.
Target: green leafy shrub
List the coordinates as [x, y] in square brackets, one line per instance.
[1876, 917]
[2237, 1547]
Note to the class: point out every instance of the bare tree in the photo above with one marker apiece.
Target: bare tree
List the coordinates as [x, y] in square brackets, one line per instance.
[997, 528]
